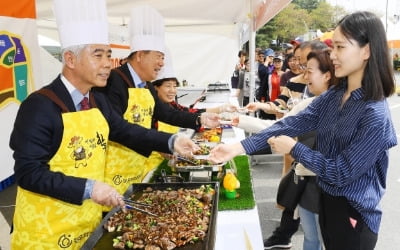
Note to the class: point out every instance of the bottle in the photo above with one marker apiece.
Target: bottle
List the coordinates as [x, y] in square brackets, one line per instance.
[230, 183]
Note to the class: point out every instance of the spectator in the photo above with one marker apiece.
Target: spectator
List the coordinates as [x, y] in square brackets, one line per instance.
[355, 156]
[239, 66]
[293, 70]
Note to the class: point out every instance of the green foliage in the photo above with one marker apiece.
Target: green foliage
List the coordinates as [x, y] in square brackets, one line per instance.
[307, 5]
[296, 19]
[322, 17]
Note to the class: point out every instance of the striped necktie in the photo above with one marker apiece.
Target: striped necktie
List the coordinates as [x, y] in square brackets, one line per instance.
[85, 103]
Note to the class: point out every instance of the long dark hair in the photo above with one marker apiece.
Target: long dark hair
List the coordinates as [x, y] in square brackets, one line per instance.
[366, 28]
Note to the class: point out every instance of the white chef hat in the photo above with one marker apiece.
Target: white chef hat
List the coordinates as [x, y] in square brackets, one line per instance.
[81, 22]
[167, 71]
[147, 30]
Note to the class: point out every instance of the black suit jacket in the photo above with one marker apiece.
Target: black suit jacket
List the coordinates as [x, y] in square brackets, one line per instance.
[37, 134]
[117, 93]
[263, 92]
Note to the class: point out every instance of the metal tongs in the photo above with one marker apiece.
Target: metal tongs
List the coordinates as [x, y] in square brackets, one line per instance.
[131, 204]
[186, 160]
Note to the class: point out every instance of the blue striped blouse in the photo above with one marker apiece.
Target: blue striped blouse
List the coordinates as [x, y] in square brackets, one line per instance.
[351, 156]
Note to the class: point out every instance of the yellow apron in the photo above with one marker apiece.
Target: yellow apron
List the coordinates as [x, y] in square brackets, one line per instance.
[156, 158]
[125, 166]
[42, 222]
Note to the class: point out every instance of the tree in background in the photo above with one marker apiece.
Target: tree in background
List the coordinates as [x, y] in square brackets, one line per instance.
[296, 19]
[308, 5]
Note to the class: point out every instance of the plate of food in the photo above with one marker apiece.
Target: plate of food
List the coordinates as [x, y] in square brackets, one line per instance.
[208, 135]
[243, 110]
[225, 122]
[282, 109]
[204, 151]
[193, 229]
[227, 118]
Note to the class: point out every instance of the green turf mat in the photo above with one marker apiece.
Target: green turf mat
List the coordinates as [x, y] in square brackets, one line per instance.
[246, 195]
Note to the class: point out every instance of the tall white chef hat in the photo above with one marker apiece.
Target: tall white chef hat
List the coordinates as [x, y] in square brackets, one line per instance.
[81, 22]
[167, 71]
[147, 30]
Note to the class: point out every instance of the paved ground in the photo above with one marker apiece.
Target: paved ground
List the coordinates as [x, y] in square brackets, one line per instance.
[267, 171]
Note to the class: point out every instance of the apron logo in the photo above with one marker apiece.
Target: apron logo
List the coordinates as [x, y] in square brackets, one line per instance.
[139, 113]
[79, 152]
[136, 116]
[64, 241]
[81, 148]
[118, 179]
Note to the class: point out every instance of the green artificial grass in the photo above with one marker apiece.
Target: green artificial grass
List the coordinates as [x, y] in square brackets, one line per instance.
[246, 194]
[245, 200]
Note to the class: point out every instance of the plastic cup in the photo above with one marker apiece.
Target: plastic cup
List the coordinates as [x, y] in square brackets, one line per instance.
[230, 194]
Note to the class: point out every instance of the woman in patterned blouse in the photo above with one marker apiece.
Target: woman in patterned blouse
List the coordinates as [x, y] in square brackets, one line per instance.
[354, 135]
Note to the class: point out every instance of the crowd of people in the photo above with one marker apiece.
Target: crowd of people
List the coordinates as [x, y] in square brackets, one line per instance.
[353, 134]
[82, 140]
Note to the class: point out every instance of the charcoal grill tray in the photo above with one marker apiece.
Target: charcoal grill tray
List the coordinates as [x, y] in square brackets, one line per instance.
[101, 239]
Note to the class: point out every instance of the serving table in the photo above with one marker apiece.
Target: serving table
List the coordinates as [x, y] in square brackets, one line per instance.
[236, 229]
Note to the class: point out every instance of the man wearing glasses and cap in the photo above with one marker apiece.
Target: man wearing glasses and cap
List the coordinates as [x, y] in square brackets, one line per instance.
[60, 138]
[135, 99]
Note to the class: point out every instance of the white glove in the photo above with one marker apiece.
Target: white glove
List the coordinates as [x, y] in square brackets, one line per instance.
[303, 171]
[227, 108]
[184, 146]
[209, 120]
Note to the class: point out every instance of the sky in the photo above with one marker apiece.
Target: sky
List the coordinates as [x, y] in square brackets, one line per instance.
[378, 7]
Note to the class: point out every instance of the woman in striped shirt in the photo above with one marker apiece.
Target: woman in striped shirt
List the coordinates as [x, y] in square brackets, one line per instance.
[354, 135]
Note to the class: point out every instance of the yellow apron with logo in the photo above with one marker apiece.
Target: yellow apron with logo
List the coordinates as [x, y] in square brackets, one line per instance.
[125, 166]
[156, 158]
[42, 222]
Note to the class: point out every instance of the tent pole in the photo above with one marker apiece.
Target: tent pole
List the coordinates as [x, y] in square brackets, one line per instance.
[252, 49]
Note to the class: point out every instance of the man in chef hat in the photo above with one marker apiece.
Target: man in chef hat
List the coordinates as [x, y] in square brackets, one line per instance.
[134, 97]
[61, 134]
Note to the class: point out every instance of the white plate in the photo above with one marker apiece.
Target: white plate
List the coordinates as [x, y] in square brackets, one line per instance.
[243, 110]
[224, 122]
[284, 111]
[211, 145]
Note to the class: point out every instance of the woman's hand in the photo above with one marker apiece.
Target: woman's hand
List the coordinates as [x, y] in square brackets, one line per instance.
[225, 152]
[235, 121]
[279, 115]
[267, 107]
[281, 144]
[253, 106]
[227, 107]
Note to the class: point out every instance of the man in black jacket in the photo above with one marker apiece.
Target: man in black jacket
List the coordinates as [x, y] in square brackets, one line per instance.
[132, 95]
[60, 138]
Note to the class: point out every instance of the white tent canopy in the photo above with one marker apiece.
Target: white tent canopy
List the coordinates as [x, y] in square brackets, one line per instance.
[204, 36]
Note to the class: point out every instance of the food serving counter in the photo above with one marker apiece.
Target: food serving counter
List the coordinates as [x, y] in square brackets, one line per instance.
[236, 229]
[232, 229]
